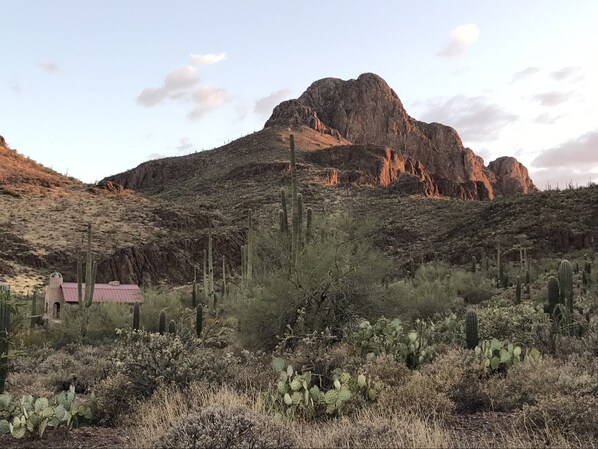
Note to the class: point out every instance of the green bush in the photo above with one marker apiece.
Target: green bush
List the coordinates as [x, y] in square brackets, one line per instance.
[338, 276]
[521, 324]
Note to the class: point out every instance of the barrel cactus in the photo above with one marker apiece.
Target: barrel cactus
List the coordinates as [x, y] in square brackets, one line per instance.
[172, 327]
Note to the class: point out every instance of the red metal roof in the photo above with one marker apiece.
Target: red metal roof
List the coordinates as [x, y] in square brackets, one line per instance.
[125, 293]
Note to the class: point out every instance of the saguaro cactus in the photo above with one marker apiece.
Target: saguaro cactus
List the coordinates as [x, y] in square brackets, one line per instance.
[565, 275]
[471, 329]
[284, 216]
[210, 265]
[194, 288]
[162, 323]
[308, 230]
[136, 316]
[85, 299]
[553, 295]
[295, 204]
[250, 244]
[5, 321]
[473, 264]
[518, 291]
[172, 327]
[199, 320]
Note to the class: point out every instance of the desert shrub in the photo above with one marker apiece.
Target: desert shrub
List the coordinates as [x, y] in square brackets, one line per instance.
[378, 428]
[430, 293]
[44, 371]
[156, 300]
[529, 383]
[428, 392]
[388, 370]
[150, 359]
[337, 277]
[522, 324]
[474, 288]
[570, 414]
[104, 319]
[218, 427]
[115, 400]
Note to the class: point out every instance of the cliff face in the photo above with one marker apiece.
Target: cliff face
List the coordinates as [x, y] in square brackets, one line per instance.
[368, 111]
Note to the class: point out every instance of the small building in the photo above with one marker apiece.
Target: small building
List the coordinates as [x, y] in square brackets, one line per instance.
[59, 293]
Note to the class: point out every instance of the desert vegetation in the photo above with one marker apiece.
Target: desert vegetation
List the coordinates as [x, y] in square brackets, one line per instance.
[319, 340]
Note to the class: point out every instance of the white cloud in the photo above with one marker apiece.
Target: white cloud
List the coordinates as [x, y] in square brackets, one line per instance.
[564, 73]
[528, 71]
[174, 86]
[265, 104]
[580, 153]
[207, 59]
[552, 98]
[547, 119]
[50, 66]
[474, 118]
[206, 99]
[184, 145]
[461, 38]
[15, 86]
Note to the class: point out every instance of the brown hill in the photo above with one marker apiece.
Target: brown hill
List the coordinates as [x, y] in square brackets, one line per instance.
[368, 111]
[20, 174]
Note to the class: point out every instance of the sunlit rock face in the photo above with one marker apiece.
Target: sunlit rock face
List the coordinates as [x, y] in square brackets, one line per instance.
[368, 111]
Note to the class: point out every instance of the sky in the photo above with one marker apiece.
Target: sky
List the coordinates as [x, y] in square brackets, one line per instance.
[92, 88]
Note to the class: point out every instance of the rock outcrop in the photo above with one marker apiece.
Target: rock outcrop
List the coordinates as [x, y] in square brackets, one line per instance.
[511, 176]
[376, 166]
[368, 111]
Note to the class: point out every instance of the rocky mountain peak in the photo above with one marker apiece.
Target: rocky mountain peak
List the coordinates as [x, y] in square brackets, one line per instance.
[367, 111]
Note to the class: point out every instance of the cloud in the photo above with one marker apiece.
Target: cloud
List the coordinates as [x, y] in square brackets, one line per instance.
[183, 85]
[206, 99]
[564, 73]
[547, 119]
[184, 145]
[155, 156]
[529, 71]
[474, 118]
[552, 98]
[207, 59]
[50, 66]
[461, 38]
[15, 86]
[561, 177]
[579, 153]
[174, 86]
[265, 104]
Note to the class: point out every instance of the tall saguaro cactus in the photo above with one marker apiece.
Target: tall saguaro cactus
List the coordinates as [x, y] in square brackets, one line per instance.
[250, 248]
[84, 299]
[5, 321]
[295, 204]
[565, 275]
[471, 329]
[210, 266]
[194, 289]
